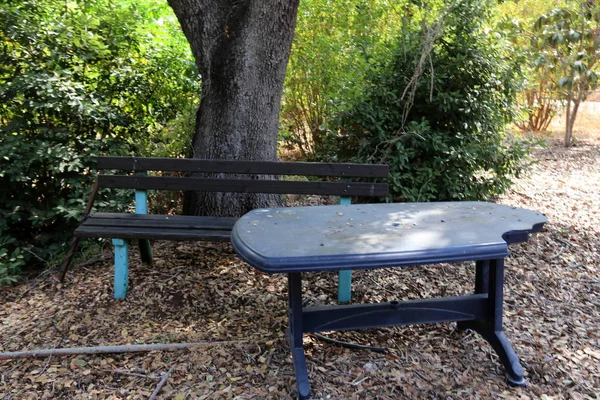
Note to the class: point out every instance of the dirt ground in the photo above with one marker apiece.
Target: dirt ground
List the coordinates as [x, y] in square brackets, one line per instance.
[198, 292]
[587, 123]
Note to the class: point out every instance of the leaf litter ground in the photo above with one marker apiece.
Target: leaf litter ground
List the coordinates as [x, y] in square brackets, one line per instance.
[198, 292]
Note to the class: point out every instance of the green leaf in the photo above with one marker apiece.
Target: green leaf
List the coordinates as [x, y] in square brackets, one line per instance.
[565, 82]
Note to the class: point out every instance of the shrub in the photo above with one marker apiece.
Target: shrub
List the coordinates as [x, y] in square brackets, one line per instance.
[79, 79]
[334, 44]
[436, 113]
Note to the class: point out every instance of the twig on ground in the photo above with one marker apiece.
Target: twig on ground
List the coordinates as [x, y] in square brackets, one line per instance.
[91, 260]
[348, 344]
[110, 349]
[35, 283]
[160, 384]
[522, 194]
[359, 381]
[121, 372]
[48, 361]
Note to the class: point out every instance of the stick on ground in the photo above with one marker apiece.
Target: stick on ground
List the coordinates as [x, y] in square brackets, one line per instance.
[160, 384]
[108, 349]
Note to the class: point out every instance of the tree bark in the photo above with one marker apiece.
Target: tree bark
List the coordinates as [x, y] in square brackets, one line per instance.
[572, 114]
[568, 124]
[241, 49]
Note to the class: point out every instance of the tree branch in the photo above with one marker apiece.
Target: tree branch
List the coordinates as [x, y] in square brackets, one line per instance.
[160, 384]
[109, 349]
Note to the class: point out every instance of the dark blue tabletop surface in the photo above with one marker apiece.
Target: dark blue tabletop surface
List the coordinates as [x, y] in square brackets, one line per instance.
[296, 239]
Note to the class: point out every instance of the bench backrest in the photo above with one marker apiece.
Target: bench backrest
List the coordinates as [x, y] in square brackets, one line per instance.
[256, 176]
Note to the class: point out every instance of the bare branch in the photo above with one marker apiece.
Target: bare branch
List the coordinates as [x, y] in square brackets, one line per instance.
[110, 349]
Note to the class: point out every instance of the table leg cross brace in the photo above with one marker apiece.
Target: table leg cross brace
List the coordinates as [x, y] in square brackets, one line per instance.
[480, 312]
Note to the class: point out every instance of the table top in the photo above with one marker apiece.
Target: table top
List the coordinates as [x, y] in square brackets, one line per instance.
[298, 239]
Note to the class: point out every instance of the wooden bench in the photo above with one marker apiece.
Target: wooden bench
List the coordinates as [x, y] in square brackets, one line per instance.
[224, 176]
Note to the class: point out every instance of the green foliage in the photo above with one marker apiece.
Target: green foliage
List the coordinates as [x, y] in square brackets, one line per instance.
[558, 44]
[527, 11]
[537, 100]
[436, 113]
[567, 41]
[79, 79]
[334, 45]
[11, 261]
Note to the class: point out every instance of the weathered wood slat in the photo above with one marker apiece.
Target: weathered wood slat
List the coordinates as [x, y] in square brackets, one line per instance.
[161, 221]
[243, 185]
[244, 167]
[150, 232]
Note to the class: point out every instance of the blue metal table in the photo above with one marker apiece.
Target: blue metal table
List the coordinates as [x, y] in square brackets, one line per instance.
[329, 238]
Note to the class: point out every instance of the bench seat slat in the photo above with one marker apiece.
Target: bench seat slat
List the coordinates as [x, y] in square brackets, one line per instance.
[90, 231]
[243, 167]
[243, 185]
[160, 221]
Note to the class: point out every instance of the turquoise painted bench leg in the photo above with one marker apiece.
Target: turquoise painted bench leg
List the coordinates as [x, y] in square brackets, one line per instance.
[121, 267]
[344, 286]
[141, 207]
[344, 277]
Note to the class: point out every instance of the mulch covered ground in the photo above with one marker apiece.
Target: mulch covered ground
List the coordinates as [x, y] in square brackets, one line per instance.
[198, 292]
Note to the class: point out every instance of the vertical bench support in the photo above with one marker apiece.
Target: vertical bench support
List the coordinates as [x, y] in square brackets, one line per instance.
[141, 207]
[121, 267]
[344, 277]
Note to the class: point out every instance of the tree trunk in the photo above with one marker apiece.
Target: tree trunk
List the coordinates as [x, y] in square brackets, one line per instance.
[572, 115]
[241, 50]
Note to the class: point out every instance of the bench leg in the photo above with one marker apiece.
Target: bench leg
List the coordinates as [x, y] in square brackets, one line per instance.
[141, 207]
[145, 251]
[294, 334]
[121, 267]
[345, 277]
[490, 279]
[344, 286]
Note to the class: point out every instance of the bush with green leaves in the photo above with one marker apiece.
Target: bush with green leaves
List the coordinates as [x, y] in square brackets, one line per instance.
[567, 45]
[436, 112]
[334, 44]
[79, 79]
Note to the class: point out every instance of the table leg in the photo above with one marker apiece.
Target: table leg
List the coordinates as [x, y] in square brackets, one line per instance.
[294, 334]
[482, 276]
[482, 281]
[491, 327]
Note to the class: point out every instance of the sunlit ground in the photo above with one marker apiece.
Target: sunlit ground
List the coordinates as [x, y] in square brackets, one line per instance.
[587, 124]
